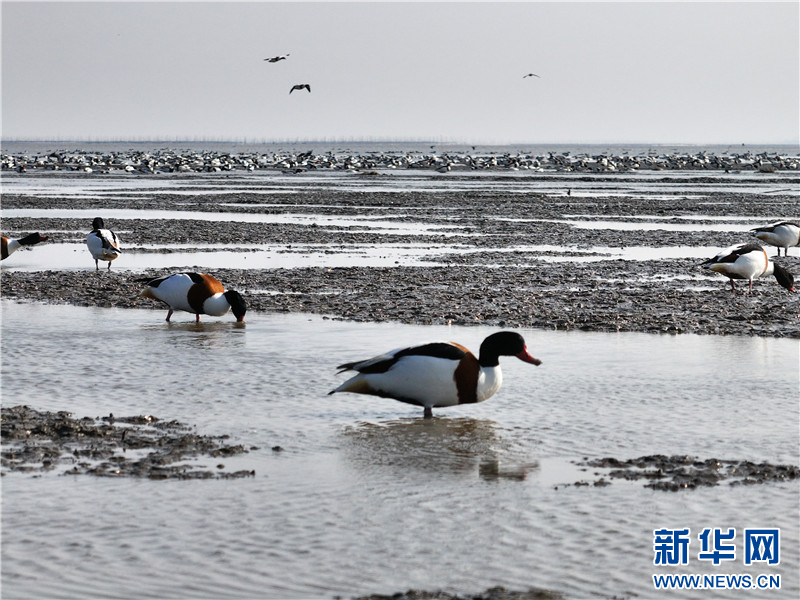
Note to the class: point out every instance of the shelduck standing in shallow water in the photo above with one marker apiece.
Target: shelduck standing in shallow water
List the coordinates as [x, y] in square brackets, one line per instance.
[195, 293]
[10, 246]
[748, 261]
[436, 374]
[102, 243]
[781, 234]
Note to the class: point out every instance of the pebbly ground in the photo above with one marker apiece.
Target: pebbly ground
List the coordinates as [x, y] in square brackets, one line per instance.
[138, 446]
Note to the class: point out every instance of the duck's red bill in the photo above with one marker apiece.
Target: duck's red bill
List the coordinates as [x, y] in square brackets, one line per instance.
[525, 357]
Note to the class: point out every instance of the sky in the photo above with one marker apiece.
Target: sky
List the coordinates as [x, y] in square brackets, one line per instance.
[609, 72]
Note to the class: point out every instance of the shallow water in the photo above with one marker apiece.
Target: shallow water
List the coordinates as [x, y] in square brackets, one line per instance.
[71, 257]
[367, 496]
[368, 223]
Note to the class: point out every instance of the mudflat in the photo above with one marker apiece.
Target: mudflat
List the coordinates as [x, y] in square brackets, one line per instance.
[499, 272]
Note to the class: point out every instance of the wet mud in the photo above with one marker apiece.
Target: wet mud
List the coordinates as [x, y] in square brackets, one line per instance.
[675, 473]
[565, 296]
[139, 446]
[486, 279]
[495, 593]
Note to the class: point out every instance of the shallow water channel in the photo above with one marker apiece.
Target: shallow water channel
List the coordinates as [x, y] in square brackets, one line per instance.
[368, 497]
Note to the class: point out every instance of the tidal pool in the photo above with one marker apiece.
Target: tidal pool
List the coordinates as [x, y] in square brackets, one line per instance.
[368, 497]
[69, 257]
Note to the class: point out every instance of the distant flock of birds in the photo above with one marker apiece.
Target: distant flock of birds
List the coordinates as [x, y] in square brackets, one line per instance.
[432, 375]
[188, 161]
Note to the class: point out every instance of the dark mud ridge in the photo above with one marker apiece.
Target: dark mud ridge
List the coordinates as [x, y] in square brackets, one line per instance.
[674, 473]
[140, 446]
[572, 296]
[495, 593]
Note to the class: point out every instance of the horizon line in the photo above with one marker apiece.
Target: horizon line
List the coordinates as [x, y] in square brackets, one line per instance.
[433, 141]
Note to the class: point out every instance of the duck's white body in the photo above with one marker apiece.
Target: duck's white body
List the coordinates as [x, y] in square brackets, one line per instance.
[195, 293]
[8, 246]
[743, 261]
[748, 261]
[437, 374]
[426, 381]
[781, 234]
[103, 243]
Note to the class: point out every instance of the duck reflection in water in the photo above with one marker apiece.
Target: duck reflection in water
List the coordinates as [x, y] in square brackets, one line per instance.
[204, 336]
[440, 446]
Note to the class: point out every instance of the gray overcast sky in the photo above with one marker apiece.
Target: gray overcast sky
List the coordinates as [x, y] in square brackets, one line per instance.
[609, 72]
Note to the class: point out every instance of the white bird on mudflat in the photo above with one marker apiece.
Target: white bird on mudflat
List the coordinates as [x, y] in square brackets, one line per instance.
[783, 234]
[301, 86]
[195, 293]
[748, 261]
[436, 374]
[9, 246]
[102, 243]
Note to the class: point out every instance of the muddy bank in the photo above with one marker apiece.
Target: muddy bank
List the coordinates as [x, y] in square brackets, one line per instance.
[674, 473]
[605, 296]
[487, 278]
[495, 593]
[138, 446]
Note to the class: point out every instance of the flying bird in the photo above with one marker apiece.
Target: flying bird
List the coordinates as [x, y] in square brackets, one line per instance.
[10, 246]
[748, 261]
[195, 293]
[436, 374]
[530, 75]
[102, 243]
[275, 59]
[301, 86]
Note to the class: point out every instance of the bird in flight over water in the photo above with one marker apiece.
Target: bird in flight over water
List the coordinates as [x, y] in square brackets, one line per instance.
[275, 59]
[530, 75]
[301, 86]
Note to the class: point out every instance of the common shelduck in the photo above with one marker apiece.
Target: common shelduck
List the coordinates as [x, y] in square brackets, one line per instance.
[748, 261]
[301, 86]
[196, 293]
[102, 243]
[782, 234]
[436, 374]
[10, 246]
